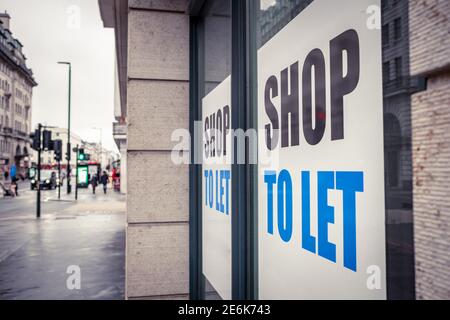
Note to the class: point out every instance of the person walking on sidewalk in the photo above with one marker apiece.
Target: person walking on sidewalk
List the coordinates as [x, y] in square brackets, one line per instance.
[7, 186]
[15, 185]
[14, 179]
[94, 182]
[104, 181]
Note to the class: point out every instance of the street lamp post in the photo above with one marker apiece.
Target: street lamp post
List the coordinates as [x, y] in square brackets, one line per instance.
[69, 151]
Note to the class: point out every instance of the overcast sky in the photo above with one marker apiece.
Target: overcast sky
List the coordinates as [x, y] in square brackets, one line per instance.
[68, 30]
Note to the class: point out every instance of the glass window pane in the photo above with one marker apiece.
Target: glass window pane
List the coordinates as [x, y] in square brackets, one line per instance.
[274, 15]
[217, 43]
[398, 157]
[214, 67]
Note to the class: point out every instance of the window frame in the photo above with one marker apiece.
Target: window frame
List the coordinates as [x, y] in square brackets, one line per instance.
[244, 202]
[244, 116]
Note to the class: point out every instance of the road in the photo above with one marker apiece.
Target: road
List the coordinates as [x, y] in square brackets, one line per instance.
[74, 242]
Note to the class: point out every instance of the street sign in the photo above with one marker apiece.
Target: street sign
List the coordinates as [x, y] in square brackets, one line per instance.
[216, 194]
[83, 176]
[321, 188]
[32, 172]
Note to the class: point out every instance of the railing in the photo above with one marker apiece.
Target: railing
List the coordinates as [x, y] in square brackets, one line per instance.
[7, 130]
[21, 133]
[403, 85]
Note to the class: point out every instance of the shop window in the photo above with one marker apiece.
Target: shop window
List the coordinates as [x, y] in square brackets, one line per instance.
[272, 16]
[214, 66]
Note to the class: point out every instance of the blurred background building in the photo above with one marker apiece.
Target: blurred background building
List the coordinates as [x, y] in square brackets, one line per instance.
[16, 90]
[95, 149]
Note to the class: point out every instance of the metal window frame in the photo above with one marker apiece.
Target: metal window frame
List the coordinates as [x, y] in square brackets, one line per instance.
[244, 201]
[196, 285]
[239, 185]
[244, 176]
[252, 9]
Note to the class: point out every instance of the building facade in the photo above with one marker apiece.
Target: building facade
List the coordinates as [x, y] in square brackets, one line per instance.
[16, 90]
[94, 149]
[174, 56]
[100, 154]
[48, 157]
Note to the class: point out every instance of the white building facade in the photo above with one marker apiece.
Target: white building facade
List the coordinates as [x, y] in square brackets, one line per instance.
[16, 90]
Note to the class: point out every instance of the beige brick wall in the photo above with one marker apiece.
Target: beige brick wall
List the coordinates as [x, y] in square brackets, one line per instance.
[157, 261]
[431, 157]
[430, 111]
[429, 35]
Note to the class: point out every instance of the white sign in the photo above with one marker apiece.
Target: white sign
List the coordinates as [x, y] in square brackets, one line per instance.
[321, 199]
[216, 228]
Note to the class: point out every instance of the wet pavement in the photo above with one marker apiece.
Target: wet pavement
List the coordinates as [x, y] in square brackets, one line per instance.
[40, 258]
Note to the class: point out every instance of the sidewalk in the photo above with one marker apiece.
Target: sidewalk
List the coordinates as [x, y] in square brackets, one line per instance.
[35, 255]
[24, 186]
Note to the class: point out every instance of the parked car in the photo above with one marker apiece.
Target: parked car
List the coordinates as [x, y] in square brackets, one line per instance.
[48, 180]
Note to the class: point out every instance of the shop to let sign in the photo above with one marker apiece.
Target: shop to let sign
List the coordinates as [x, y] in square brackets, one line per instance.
[321, 187]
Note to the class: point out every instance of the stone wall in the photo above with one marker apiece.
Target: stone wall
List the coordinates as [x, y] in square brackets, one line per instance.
[158, 102]
[430, 56]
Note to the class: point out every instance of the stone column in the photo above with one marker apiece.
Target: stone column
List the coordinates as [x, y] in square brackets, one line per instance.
[157, 245]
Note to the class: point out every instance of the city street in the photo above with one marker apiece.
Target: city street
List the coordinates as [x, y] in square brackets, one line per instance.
[38, 257]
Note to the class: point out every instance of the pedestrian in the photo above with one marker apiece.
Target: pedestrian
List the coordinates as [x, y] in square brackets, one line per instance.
[14, 179]
[13, 171]
[8, 186]
[104, 180]
[94, 182]
[53, 180]
[15, 186]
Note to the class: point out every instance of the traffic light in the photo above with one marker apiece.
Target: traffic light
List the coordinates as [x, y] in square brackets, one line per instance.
[81, 155]
[47, 143]
[36, 137]
[57, 147]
